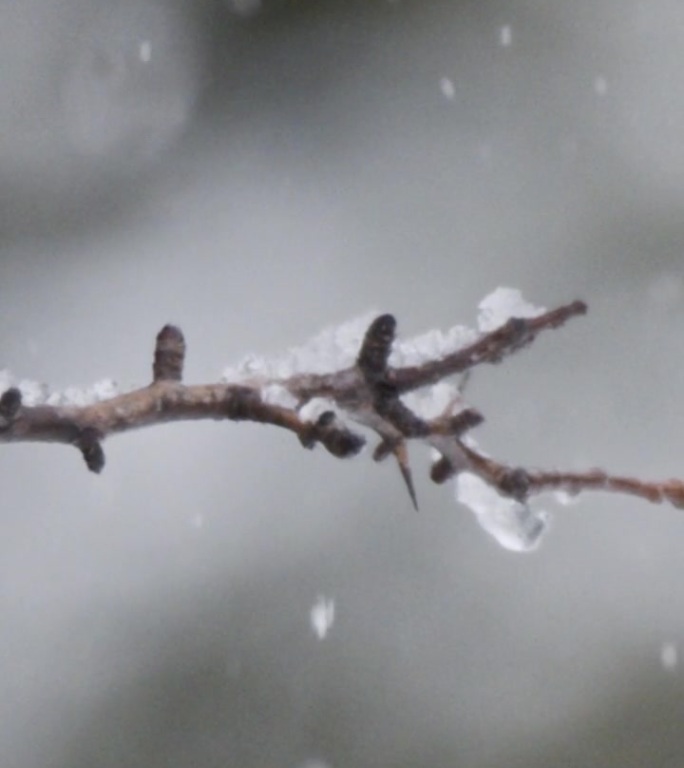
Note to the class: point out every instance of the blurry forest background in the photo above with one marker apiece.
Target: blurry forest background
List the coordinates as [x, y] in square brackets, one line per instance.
[255, 172]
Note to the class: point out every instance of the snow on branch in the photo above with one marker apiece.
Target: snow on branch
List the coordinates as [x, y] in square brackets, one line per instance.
[357, 374]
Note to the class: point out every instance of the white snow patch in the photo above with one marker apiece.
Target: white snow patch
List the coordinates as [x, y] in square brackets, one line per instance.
[430, 402]
[276, 394]
[322, 616]
[432, 345]
[513, 525]
[332, 349]
[36, 393]
[32, 392]
[501, 305]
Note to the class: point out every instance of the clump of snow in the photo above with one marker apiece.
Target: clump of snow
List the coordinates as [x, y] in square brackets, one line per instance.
[276, 394]
[322, 616]
[513, 525]
[505, 36]
[432, 345]
[431, 402]
[501, 305]
[32, 392]
[101, 390]
[35, 393]
[331, 350]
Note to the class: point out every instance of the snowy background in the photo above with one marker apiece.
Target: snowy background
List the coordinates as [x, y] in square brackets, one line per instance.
[220, 597]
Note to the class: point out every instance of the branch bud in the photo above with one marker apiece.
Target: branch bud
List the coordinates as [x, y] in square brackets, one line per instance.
[169, 354]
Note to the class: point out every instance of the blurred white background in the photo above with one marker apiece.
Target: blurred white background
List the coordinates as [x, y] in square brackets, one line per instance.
[254, 172]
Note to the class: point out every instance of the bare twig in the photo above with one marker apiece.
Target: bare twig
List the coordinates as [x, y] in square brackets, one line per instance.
[369, 393]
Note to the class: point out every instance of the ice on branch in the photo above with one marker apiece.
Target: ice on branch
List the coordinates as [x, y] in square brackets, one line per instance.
[35, 393]
[501, 305]
[431, 402]
[329, 351]
[277, 394]
[337, 347]
[432, 345]
[514, 525]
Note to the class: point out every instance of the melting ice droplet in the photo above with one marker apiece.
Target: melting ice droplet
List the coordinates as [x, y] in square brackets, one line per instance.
[514, 525]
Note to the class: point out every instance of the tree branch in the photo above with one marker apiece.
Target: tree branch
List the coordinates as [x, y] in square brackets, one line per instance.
[368, 393]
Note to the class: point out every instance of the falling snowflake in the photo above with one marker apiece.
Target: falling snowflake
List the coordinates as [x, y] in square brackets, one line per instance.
[322, 616]
[669, 655]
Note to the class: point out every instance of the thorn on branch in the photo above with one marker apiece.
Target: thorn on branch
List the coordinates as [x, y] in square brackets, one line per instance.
[169, 354]
[401, 454]
[91, 448]
[10, 403]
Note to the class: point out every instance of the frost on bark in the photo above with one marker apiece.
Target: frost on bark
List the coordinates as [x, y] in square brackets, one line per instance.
[354, 375]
